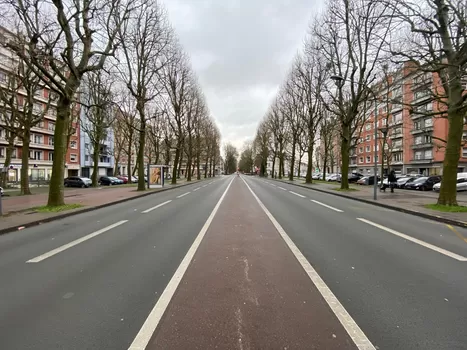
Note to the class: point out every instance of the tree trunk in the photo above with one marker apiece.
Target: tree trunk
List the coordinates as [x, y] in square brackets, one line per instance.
[198, 166]
[206, 168]
[309, 169]
[292, 160]
[345, 147]
[25, 190]
[448, 190]
[188, 166]
[273, 175]
[179, 166]
[56, 194]
[95, 164]
[128, 169]
[175, 167]
[210, 167]
[9, 152]
[140, 158]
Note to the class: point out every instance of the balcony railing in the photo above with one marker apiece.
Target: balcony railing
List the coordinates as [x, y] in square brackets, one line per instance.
[422, 145]
[422, 160]
[422, 130]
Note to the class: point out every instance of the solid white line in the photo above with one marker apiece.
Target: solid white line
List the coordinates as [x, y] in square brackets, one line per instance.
[327, 206]
[297, 194]
[75, 242]
[282, 188]
[415, 240]
[157, 206]
[150, 325]
[196, 189]
[183, 195]
[354, 331]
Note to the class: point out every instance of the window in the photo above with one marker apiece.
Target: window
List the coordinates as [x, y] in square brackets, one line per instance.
[41, 124]
[367, 149]
[360, 160]
[418, 140]
[38, 107]
[368, 127]
[368, 137]
[418, 155]
[51, 156]
[428, 154]
[73, 158]
[39, 93]
[427, 139]
[416, 125]
[3, 77]
[2, 152]
[51, 126]
[73, 144]
[421, 94]
[397, 118]
[384, 122]
[86, 158]
[360, 150]
[428, 122]
[464, 152]
[397, 144]
[38, 139]
[376, 148]
[51, 140]
[397, 157]
[368, 159]
[376, 160]
[52, 112]
[36, 155]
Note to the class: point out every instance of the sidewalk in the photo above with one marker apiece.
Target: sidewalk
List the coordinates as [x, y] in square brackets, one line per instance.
[412, 201]
[18, 210]
[245, 289]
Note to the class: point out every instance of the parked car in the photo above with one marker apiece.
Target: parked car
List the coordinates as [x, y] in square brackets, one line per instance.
[404, 180]
[117, 180]
[316, 176]
[1, 191]
[363, 181]
[77, 181]
[461, 185]
[123, 178]
[107, 181]
[332, 177]
[425, 183]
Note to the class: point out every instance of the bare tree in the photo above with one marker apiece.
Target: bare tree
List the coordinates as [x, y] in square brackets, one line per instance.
[23, 112]
[327, 135]
[60, 42]
[351, 36]
[278, 125]
[146, 44]
[262, 145]
[100, 114]
[433, 39]
[230, 156]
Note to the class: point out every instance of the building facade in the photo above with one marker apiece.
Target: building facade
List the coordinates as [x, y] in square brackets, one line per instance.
[413, 125]
[41, 153]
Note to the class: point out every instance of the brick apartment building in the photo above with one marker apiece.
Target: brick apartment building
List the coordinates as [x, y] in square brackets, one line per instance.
[413, 141]
[42, 136]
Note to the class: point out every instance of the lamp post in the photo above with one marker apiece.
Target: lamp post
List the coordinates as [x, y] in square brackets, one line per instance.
[340, 82]
[384, 130]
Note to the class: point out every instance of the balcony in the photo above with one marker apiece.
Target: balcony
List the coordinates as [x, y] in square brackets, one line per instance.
[423, 145]
[426, 129]
[396, 148]
[42, 130]
[422, 97]
[41, 145]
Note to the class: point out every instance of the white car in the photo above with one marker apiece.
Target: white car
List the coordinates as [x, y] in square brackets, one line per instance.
[461, 185]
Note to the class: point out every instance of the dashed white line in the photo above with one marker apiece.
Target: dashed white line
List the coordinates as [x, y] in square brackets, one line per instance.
[75, 242]
[297, 194]
[144, 335]
[327, 206]
[210, 182]
[157, 206]
[183, 195]
[355, 332]
[282, 188]
[204, 185]
[196, 189]
[273, 185]
[415, 240]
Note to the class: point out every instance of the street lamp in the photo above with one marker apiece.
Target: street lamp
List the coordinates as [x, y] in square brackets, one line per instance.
[384, 130]
[340, 82]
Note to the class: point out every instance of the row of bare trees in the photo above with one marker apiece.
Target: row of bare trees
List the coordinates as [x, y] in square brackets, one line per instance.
[121, 62]
[357, 54]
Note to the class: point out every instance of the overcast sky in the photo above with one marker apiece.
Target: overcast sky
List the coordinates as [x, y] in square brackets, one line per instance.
[241, 51]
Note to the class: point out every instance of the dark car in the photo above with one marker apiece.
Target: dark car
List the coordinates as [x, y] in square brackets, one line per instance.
[107, 181]
[425, 183]
[77, 181]
[353, 177]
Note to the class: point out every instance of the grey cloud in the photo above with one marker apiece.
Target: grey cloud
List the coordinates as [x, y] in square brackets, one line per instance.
[241, 50]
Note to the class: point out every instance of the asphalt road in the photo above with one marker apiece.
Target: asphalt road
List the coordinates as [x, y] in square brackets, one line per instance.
[98, 293]
[402, 294]
[90, 281]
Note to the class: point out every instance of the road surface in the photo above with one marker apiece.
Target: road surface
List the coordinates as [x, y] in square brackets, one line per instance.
[235, 263]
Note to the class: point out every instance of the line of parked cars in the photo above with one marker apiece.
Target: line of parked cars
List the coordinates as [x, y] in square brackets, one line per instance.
[85, 182]
[408, 182]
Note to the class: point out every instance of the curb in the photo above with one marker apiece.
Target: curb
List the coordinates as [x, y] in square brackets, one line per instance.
[387, 206]
[88, 209]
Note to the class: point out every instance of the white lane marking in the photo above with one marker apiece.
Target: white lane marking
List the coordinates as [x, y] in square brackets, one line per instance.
[297, 194]
[183, 195]
[196, 189]
[327, 206]
[157, 206]
[354, 331]
[282, 188]
[210, 182]
[75, 242]
[273, 185]
[204, 185]
[415, 240]
[150, 325]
